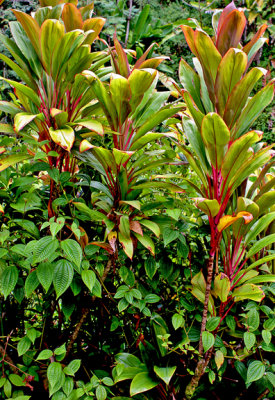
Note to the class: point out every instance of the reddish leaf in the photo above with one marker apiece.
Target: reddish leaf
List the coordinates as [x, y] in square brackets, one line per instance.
[95, 24]
[72, 17]
[104, 246]
[228, 220]
[190, 38]
[231, 31]
[123, 64]
[227, 10]
[136, 227]
[255, 38]
[31, 28]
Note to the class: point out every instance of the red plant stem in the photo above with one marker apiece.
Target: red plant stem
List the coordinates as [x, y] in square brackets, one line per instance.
[236, 273]
[73, 108]
[44, 91]
[227, 311]
[238, 260]
[111, 186]
[127, 145]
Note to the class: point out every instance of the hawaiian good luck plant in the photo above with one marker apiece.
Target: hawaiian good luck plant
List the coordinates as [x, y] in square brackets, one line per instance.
[51, 50]
[132, 107]
[224, 155]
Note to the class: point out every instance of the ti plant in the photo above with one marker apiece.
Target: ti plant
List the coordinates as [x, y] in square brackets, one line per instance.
[224, 155]
[130, 107]
[51, 50]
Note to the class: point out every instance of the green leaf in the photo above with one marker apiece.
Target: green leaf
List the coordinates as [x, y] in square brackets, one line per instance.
[165, 373]
[147, 242]
[177, 321]
[239, 96]
[16, 380]
[169, 235]
[121, 94]
[68, 386]
[248, 291]
[267, 336]
[253, 109]
[23, 345]
[124, 226]
[62, 276]
[151, 298]
[74, 365]
[259, 226]
[23, 119]
[13, 159]
[97, 289]
[208, 206]
[54, 375]
[253, 320]
[44, 355]
[93, 214]
[151, 225]
[9, 279]
[45, 248]
[196, 114]
[29, 226]
[51, 32]
[255, 371]
[25, 90]
[127, 245]
[230, 71]
[190, 82]
[142, 382]
[31, 283]
[219, 359]
[222, 286]
[64, 137]
[60, 350]
[44, 273]
[208, 340]
[271, 377]
[213, 323]
[88, 278]
[215, 135]
[260, 244]
[150, 267]
[249, 340]
[209, 58]
[101, 393]
[73, 251]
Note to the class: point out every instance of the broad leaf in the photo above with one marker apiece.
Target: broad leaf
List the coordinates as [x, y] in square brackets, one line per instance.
[62, 276]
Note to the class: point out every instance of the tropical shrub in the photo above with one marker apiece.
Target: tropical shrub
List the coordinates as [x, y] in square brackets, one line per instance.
[224, 155]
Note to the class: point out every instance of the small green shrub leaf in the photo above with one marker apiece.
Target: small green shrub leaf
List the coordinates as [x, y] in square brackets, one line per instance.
[72, 251]
[88, 278]
[165, 373]
[44, 355]
[266, 335]
[177, 321]
[255, 371]
[31, 283]
[249, 340]
[141, 383]
[9, 279]
[23, 345]
[208, 340]
[62, 276]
